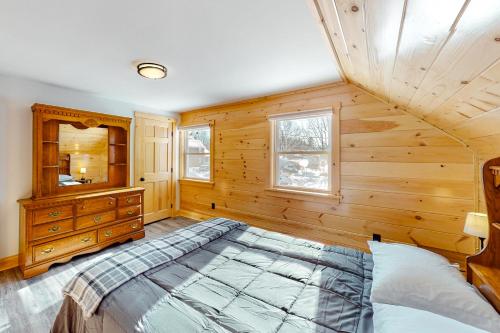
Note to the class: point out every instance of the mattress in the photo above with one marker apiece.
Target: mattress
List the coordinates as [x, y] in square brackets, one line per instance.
[247, 280]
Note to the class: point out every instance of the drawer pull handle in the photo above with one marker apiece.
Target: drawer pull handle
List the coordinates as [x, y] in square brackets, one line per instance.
[54, 228]
[47, 251]
[110, 203]
[54, 214]
[85, 240]
[134, 226]
[129, 200]
[130, 212]
[97, 218]
[108, 233]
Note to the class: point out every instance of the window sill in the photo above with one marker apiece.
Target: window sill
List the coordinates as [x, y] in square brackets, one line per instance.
[196, 182]
[328, 198]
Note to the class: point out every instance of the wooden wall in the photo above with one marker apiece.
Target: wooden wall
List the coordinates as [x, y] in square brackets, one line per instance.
[400, 177]
[482, 135]
[473, 115]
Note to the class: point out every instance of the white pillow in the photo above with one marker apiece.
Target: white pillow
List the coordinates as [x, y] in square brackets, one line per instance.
[397, 319]
[413, 277]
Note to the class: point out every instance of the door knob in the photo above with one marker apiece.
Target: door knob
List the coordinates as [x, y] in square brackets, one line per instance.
[142, 179]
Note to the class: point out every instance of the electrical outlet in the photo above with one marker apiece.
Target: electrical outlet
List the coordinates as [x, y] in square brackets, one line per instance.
[377, 237]
[213, 205]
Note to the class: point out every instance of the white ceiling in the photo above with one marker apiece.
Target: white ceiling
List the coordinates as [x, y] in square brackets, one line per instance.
[215, 50]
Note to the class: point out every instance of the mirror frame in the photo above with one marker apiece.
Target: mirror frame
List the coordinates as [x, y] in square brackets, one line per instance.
[46, 120]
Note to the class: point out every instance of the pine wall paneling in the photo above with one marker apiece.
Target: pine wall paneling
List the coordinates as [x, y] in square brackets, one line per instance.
[400, 177]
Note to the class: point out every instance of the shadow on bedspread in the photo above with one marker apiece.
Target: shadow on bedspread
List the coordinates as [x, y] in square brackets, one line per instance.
[249, 280]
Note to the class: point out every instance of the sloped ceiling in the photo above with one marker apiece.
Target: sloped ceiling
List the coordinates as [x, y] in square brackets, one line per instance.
[439, 59]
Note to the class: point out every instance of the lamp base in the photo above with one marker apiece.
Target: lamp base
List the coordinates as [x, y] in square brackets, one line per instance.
[481, 239]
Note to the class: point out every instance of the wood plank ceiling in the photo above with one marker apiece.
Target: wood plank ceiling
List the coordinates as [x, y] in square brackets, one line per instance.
[440, 60]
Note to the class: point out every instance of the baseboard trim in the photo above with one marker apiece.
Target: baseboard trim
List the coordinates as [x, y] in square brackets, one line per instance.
[9, 262]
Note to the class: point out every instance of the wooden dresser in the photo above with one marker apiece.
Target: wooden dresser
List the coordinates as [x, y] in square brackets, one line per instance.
[55, 230]
[82, 200]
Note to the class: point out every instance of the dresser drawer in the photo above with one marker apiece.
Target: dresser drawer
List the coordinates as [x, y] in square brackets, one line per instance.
[63, 246]
[118, 230]
[129, 200]
[52, 229]
[129, 211]
[90, 206]
[95, 219]
[45, 215]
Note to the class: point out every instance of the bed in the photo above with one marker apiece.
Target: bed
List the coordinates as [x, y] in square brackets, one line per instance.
[67, 180]
[223, 276]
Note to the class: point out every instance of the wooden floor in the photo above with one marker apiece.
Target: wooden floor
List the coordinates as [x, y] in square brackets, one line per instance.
[32, 305]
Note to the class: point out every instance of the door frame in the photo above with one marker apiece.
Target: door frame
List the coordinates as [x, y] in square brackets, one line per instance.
[173, 180]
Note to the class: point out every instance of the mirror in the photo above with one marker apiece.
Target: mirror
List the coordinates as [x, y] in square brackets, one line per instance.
[83, 154]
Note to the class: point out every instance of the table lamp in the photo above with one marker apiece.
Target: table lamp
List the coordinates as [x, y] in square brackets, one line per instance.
[476, 224]
[83, 171]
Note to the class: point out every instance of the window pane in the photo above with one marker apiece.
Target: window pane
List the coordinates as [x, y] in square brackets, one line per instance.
[198, 140]
[197, 166]
[304, 134]
[307, 171]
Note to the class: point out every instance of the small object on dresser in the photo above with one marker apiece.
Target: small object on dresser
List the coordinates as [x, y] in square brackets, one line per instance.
[83, 171]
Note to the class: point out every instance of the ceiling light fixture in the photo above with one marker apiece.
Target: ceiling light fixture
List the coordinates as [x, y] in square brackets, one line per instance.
[151, 70]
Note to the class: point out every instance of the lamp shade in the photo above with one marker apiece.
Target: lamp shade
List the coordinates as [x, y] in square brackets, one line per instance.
[83, 170]
[476, 224]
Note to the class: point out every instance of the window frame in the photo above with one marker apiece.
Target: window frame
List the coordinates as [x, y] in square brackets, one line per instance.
[184, 153]
[333, 153]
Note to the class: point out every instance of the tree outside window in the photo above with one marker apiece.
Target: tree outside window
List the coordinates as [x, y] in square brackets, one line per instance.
[302, 151]
[197, 153]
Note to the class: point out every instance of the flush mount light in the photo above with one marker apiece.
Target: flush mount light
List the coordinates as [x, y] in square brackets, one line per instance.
[151, 70]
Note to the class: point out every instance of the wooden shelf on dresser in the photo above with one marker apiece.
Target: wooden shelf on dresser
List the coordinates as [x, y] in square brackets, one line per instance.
[55, 229]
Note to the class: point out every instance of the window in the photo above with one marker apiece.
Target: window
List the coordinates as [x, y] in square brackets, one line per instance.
[303, 154]
[197, 159]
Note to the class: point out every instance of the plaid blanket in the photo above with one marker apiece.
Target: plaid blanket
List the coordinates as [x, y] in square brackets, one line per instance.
[89, 287]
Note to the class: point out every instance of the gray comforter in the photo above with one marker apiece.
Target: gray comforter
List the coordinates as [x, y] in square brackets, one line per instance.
[248, 280]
